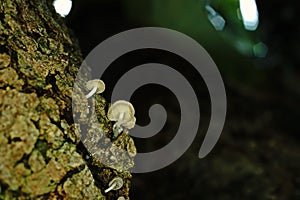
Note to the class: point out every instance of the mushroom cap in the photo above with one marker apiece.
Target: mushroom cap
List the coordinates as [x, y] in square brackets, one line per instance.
[130, 124]
[122, 112]
[118, 181]
[96, 83]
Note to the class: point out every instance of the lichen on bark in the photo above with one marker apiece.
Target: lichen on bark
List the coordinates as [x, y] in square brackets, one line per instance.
[41, 153]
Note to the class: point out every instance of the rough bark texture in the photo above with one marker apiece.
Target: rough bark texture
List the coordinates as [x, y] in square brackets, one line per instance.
[41, 154]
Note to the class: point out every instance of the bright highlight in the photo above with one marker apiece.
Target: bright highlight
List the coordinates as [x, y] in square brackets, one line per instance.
[62, 7]
[249, 14]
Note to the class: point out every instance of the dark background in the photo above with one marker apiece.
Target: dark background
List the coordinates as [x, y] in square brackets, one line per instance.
[257, 156]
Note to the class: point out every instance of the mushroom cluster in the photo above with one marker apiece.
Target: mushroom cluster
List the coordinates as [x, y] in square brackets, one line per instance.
[122, 112]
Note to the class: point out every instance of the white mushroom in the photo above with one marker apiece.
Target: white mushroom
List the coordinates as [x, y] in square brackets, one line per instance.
[123, 113]
[115, 184]
[96, 86]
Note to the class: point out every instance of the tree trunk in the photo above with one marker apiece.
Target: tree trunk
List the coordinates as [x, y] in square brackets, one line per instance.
[41, 153]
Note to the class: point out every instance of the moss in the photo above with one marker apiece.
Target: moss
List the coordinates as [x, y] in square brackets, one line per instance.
[39, 153]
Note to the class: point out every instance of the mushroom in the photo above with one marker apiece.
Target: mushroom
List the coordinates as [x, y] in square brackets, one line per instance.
[115, 184]
[96, 86]
[123, 113]
[121, 198]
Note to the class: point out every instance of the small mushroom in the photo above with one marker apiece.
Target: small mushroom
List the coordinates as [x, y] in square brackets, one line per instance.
[115, 184]
[123, 113]
[121, 198]
[96, 86]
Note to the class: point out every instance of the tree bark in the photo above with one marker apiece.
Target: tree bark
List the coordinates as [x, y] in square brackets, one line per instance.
[41, 153]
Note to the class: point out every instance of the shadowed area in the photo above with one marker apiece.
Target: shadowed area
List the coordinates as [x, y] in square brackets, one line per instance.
[257, 156]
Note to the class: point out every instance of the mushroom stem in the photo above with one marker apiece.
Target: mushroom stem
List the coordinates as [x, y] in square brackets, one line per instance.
[91, 93]
[111, 187]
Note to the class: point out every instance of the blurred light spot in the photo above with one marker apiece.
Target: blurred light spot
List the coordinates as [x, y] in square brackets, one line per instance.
[215, 18]
[249, 14]
[244, 46]
[62, 7]
[239, 14]
[260, 50]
